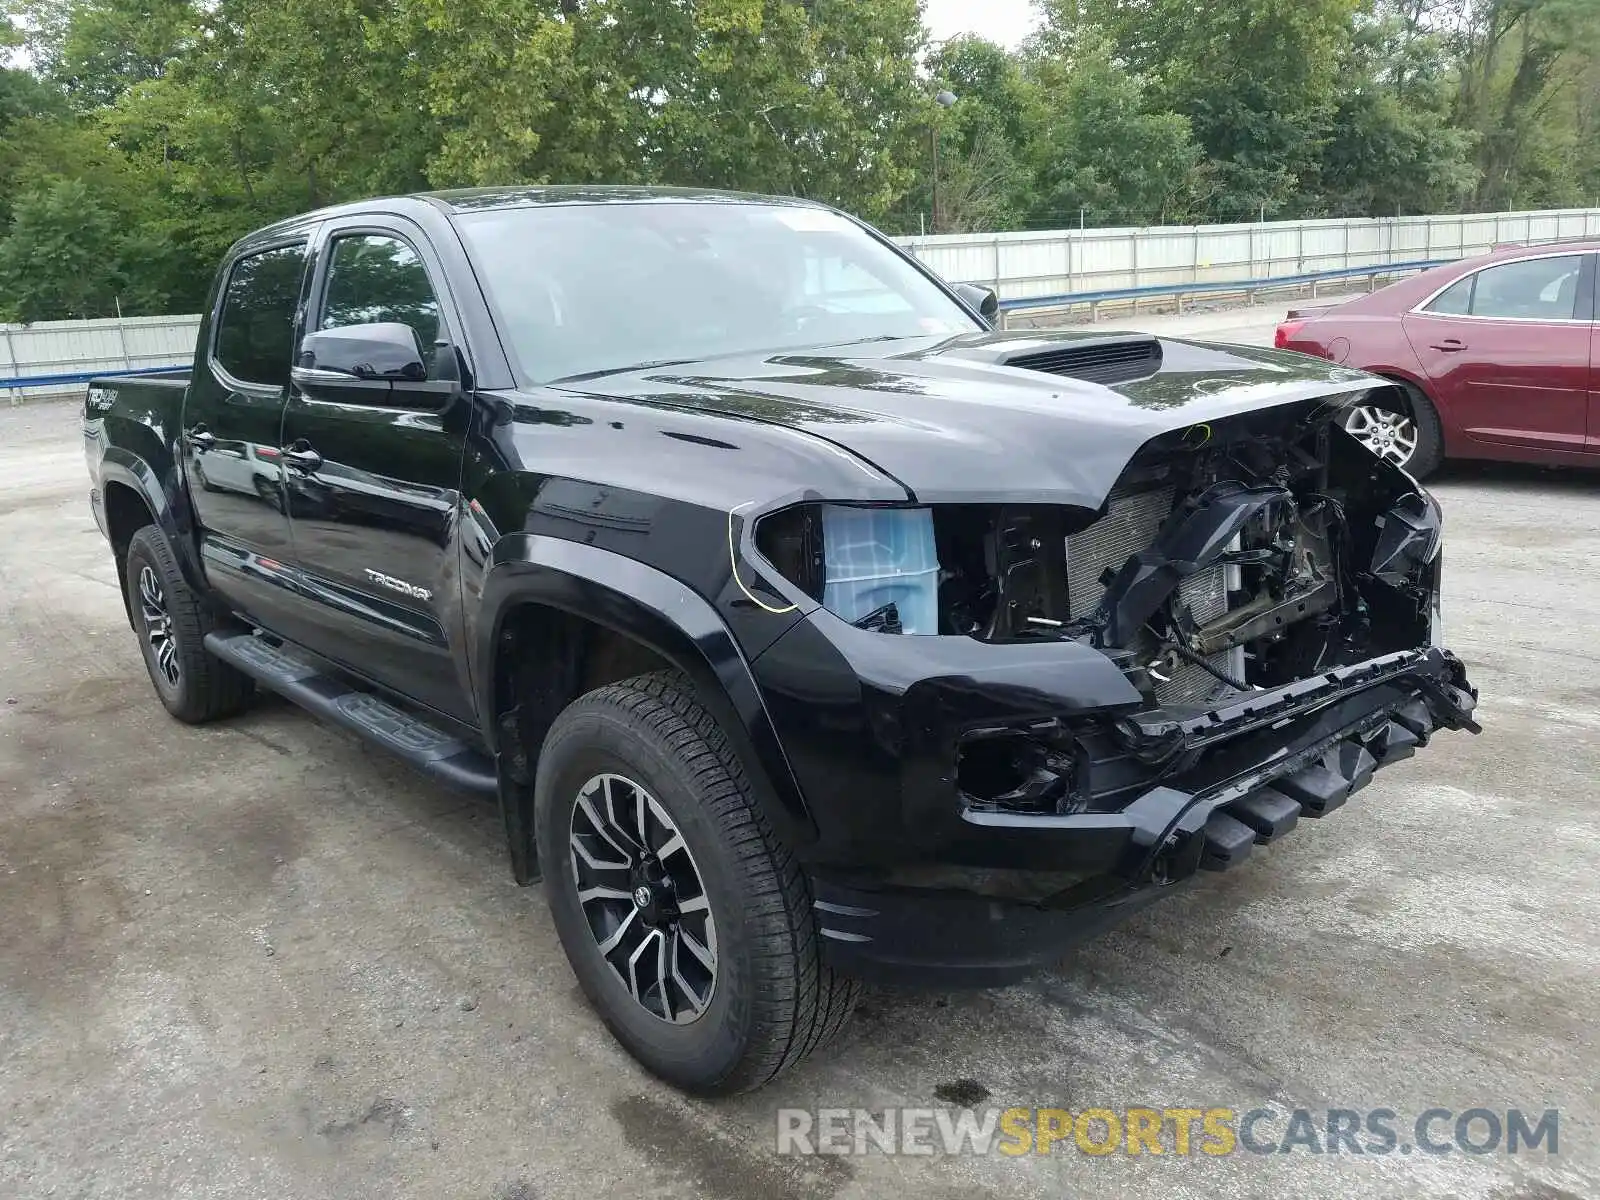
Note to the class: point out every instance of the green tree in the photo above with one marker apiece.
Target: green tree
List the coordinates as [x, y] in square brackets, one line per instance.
[98, 49]
[1255, 78]
[60, 257]
[1393, 147]
[985, 138]
[1527, 90]
[1105, 150]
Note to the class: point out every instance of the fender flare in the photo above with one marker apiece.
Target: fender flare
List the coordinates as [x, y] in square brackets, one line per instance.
[653, 608]
[122, 466]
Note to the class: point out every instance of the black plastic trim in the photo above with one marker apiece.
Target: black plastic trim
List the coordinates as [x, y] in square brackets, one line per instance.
[370, 716]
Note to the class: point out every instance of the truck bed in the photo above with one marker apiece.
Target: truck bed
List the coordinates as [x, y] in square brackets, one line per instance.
[128, 420]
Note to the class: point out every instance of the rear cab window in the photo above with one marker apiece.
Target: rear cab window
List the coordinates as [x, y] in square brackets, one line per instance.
[254, 339]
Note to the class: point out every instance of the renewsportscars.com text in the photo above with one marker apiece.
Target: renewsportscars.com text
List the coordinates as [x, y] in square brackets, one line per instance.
[1180, 1131]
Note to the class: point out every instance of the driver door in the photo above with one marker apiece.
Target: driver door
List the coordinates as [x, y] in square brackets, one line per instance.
[373, 488]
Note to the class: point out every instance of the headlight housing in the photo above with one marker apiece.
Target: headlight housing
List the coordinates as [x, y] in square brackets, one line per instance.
[875, 566]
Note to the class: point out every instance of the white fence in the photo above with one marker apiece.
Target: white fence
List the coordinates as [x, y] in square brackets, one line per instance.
[1022, 266]
[70, 347]
[1019, 266]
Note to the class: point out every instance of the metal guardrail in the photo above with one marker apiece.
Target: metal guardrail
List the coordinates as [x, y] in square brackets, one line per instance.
[1247, 287]
[1072, 261]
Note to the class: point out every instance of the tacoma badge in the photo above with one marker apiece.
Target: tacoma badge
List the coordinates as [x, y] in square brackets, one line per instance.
[399, 585]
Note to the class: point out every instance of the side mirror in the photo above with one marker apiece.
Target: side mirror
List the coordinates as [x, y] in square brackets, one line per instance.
[981, 298]
[380, 363]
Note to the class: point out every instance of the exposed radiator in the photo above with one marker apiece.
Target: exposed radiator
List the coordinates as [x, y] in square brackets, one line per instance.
[1132, 521]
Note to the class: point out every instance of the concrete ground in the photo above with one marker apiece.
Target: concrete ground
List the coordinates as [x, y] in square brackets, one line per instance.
[260, 959]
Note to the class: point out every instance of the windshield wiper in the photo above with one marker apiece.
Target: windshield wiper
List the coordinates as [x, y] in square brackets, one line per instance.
[644, 366]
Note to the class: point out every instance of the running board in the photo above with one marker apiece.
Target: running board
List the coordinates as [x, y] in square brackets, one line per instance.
[442, 755]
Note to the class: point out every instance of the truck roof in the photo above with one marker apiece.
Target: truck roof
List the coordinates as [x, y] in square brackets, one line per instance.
[459, 200]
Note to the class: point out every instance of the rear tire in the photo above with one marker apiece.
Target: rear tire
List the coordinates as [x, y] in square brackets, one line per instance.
[1410, 436]
[723, 883]
[172, 624]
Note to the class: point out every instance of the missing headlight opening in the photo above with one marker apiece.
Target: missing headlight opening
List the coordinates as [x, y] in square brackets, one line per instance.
[1261, 557]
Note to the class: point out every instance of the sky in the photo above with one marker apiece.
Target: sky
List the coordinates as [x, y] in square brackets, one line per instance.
[1003, 21]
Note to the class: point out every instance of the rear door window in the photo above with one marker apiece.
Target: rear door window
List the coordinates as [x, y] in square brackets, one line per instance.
[1454, 301]
[255, 329]
[1538, 289]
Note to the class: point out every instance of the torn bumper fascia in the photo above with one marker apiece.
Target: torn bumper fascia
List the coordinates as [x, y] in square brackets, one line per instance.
[1231, 779]
[1318, 740]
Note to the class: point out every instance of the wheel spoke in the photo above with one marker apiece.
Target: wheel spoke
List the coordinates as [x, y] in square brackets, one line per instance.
[636, 985]
[667, 1010]
[641, 816]
[703, 953]
[1359, 421]
[601, 826]
[601, 892]
[698, 997]
[583, 852]
[613, 820]
[1390, 435]
[663, 950]
[620, 932]
[167, 656]
[697, 1003]
[158, 626]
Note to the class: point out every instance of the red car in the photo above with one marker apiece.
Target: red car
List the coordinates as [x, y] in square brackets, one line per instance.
[1497, 355]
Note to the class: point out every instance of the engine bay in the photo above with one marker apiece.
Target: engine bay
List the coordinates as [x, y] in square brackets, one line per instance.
[1225, 560]
[1244, 565]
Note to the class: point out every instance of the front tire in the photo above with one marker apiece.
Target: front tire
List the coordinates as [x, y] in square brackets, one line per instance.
[172, 624]
[688, 924]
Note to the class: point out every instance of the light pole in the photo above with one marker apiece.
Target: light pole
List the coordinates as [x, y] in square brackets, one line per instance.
[943, 99]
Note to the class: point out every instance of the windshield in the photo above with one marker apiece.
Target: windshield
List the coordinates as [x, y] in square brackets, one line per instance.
[584, 289]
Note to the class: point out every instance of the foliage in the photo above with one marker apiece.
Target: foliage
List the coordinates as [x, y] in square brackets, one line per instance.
[138, 138]
[1107, 152]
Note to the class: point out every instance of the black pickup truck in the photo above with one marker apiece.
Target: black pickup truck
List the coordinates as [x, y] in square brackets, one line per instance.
[806, 628]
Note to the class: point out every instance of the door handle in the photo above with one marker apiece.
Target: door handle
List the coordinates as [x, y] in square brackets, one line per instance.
[301, 456]
[1449, 345]
[201, 438]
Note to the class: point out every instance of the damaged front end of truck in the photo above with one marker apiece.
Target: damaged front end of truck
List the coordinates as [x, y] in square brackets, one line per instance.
[1081, 706]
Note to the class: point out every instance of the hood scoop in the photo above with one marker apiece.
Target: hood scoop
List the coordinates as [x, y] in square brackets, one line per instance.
[1106, 360]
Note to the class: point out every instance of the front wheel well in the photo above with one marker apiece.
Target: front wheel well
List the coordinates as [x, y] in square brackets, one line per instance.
[562, 655]
[545, 658]
[1407, 388]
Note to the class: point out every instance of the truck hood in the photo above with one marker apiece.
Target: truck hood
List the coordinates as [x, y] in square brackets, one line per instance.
[956, 421]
